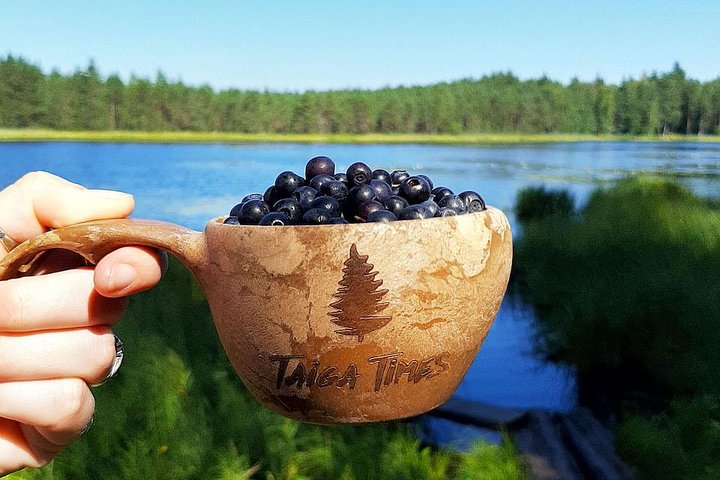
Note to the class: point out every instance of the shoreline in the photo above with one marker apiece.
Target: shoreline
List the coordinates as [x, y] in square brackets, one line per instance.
[179, 137]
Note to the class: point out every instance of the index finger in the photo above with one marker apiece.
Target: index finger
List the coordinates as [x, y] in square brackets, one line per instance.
[40, 200]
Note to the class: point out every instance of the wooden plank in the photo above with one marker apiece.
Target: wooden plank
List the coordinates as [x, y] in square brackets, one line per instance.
[477, 413]
[540, 437]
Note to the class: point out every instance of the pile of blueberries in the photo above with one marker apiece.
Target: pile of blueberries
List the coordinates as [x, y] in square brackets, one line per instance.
[356, 196]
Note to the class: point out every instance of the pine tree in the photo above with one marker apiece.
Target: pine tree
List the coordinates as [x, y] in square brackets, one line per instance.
[359, 300]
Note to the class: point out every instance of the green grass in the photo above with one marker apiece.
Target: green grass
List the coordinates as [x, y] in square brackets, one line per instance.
[42, 135]
[178, 411]
[627, 292]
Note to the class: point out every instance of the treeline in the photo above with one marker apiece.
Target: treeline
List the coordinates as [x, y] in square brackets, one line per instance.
[660, 103]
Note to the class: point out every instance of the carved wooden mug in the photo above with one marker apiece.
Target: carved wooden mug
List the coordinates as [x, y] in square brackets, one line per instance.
[332, 323]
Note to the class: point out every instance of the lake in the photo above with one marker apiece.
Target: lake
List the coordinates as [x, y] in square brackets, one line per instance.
[188, 184]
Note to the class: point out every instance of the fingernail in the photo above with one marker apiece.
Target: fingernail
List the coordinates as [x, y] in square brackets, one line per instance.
[121, 277]
[108, 194]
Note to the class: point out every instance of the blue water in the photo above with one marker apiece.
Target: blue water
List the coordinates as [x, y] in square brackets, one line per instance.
[188, 184]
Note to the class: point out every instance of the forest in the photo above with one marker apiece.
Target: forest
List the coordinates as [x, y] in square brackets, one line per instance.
[654, 104]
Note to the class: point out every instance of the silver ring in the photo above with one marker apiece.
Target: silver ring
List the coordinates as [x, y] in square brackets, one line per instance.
[7, 241]
[119, 355]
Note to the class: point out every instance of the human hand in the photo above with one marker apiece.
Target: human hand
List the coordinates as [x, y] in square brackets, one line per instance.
[55, 336]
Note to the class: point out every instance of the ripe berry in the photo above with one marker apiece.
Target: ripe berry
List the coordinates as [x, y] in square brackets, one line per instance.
[341, 177]
[359, 173]
[328, 203]
[382, 189]
[319, 180]
[304, 196]
[337, 190]
[252, 211]
[454, 202]
[446, 212]
[440, 192]
[337, 221]
[397, 177]
[414, 212]
[316, 216]
[234, 211]
[319, 166]
[359, 195]
[381, 174]
[287, 182]
[473, 201]
[291, 208]
[271, 195]
[381, 216]
[274, 219]
[415, 189]
[252, 196]
[231, 221]
[364, 210]
[427, 179]
[395, 204]
[432, 206]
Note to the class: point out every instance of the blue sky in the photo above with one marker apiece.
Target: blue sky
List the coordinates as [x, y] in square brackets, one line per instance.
[295, 45]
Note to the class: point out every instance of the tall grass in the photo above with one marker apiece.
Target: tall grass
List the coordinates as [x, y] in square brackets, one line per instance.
[132, 136]
[628, 292]
[178, 411]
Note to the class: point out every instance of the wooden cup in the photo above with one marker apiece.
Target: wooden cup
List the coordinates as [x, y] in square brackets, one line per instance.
[332, 323]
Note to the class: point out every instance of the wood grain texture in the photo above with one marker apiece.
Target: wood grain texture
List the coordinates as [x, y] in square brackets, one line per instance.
[332, 323]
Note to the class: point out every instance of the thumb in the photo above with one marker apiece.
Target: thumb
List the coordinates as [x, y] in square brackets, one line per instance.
[40, 200]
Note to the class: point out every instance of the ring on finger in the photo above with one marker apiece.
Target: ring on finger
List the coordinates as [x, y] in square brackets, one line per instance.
[117, 361]
[7, 241]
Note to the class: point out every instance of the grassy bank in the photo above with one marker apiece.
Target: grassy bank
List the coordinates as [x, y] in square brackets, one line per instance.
[127, 136]
[178, 411]
[626, 290]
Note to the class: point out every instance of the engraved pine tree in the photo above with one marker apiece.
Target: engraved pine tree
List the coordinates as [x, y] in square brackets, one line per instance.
[359, 300]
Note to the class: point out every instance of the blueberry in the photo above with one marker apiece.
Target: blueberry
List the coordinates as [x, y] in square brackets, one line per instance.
[415, 189]
[382, 189]
[304, 196]
[252, 211]
[395, 204]
[454, 202]
[274, 219]
[446, 212]
[234, 211]
[473, 201]
[341, 177]
[252, 196]
[381, 174]
[319, 166]
[359, 173]
[414, 212]
[364, 210]
[231, 220]
[397, 177]
[337, 221]
[336, 189]
[328, 203]
[440, 192]
[396, 190]
[359, 195]
[271, 195]
[427, 179]
[319, 180]
[291, 208]
[432, 206]
[316, 216]
[287, 182]
[381, 216]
